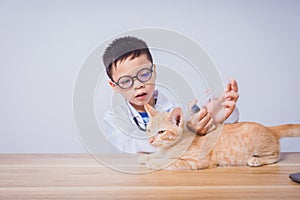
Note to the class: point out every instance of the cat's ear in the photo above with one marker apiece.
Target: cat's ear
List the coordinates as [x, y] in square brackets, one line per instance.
[150, 110]
[175, 116]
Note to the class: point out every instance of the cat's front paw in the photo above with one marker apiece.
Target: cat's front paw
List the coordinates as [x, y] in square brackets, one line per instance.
[144, 158]
[254, 162]
[154, 164]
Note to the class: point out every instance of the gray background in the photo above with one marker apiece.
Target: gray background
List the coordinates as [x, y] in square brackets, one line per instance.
[44, 43]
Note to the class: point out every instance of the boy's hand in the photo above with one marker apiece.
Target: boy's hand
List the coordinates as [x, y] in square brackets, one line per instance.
[200, 122]
[216, 111]
[231, 97]
[223, 107]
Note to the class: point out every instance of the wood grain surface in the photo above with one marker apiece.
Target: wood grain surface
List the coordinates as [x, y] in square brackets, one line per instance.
[80, 176]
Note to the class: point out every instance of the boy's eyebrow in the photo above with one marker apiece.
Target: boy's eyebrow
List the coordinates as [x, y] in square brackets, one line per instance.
[133, 72]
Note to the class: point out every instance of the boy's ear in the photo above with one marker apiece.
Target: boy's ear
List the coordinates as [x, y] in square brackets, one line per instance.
[175, 116]
[113, 85]
[154, 69]
[150, 110]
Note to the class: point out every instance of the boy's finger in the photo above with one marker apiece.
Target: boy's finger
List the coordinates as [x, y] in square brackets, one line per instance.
[234, 85]
[203, 124]
[228, 88]
[232, 95]
[201, 114]
[229, 104]
[210, 125]
[197, 117]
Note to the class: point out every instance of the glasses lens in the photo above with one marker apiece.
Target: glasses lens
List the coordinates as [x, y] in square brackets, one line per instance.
[144, 75]
[125, 82]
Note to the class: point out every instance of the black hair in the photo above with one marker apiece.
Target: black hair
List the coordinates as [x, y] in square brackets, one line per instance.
[123, 48]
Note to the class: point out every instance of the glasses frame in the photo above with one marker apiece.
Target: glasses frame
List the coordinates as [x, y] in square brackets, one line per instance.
[135, 77]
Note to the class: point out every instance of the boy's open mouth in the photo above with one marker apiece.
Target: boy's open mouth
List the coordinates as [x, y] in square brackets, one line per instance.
[140, 96]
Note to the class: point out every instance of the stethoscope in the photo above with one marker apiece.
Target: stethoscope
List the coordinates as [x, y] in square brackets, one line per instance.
[135, 118]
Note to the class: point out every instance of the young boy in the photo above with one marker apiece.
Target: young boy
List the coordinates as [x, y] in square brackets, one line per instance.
[129, 66]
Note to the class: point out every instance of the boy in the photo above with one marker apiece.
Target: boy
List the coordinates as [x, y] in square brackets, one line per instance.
[129, 66]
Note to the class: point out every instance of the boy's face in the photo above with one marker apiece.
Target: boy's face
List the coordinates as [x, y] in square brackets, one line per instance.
[140, 93]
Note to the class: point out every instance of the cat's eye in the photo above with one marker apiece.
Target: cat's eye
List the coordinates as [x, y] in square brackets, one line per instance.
[161, 131]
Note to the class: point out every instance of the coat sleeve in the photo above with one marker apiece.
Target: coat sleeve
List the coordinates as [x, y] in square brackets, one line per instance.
[124, 137]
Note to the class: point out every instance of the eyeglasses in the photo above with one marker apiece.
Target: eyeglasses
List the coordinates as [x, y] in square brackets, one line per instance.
[143, 75]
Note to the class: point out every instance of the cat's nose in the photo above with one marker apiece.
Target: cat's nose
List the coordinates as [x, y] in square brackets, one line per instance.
[151, 140]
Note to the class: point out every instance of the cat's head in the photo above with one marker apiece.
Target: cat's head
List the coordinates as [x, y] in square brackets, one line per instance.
[164, 129]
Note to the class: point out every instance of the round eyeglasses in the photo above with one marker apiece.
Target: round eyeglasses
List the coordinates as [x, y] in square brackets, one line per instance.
[143, 75]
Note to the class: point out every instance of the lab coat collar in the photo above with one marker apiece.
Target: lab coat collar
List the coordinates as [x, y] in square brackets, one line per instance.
[162, 104]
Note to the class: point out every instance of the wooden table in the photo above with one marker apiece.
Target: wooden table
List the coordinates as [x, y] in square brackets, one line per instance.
[79, 176]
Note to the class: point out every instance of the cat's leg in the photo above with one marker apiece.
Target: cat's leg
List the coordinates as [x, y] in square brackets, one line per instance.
[177, 164]
[158, 163]
[188, 164]
[256, 161]
[144, 158]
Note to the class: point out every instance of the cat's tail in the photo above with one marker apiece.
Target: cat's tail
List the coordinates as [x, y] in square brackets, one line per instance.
[286, 130]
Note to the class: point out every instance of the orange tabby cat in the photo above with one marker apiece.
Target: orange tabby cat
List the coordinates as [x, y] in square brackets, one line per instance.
[244, 143]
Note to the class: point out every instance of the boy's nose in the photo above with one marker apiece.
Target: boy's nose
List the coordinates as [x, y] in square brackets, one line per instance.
[137, 83]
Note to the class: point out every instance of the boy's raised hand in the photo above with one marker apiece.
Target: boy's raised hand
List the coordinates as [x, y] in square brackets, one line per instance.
[222, 107]
[230, 98]
[216, 111]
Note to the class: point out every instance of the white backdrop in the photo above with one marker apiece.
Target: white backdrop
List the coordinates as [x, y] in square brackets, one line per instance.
[44, 43]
